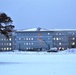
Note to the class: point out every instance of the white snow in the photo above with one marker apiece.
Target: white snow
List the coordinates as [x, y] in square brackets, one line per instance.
[38, 63]
[42, 29]
[33, 29]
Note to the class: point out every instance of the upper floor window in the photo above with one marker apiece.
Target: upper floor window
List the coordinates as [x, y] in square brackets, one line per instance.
[19, 38]
[60, 43]
[26, 38]
[31, 38]
[54, 38]
[10, 39]
[59, 33]
[48, 33]
[57, 38]
[73, 43]
[73, 38]
[10, 44]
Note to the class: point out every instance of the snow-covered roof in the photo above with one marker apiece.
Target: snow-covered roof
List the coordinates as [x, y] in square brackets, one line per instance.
[41, 29]
[33, 29]
[62, 29]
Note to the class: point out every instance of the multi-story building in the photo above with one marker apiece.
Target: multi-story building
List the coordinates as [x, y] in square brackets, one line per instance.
[7, 44]
[39, 39]
[34, 40]
[45, 39]
[63, 39]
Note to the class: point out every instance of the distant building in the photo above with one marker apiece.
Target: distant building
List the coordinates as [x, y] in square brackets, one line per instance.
[63, 39]
[34, 40]
[6, 44]
[38, 39]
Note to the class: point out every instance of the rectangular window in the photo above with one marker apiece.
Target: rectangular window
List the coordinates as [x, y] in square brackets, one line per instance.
[48, 33]
[26, 43]
[10, 44]
[31, 38]
[7, 48]
[9, 39]
[4, 48]
[19, 39]
[26, 38]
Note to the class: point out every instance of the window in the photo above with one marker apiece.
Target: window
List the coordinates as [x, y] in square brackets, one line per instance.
[26, 43]
[60, 43]
[7, 48]
[73, 38]
[7, 44]
[57, 38]
[31, 38]
[4, 48]
[9, 39]
[32, 43]
[56, 33]
[10, 48]
[10, 44]
[27, 48]
[2, 39]
[2, 43]
[26, 38]
[48, 33]
[54, 38]
[59, 33]
[19, 38]
[73, 43]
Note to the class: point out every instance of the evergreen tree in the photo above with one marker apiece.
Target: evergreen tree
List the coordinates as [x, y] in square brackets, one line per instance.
[6, 26]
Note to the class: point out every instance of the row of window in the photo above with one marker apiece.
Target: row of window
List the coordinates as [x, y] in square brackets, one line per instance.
[4, 39]
[6, 44]
[60, 38]
[20, 39]
[28, 43]
[6, 48]
[73, 43]
[63, 33]
[39, 34]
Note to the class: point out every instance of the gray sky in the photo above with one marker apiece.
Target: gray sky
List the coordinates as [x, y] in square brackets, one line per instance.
[56, 14]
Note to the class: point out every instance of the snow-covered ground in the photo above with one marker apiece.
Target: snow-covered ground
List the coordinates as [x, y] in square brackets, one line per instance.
[38, 63]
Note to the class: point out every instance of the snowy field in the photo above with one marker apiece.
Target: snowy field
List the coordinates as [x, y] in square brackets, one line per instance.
[38, 63]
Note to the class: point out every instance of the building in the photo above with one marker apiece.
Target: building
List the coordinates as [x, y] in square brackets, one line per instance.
[63, 39]
[39, 39]
[34, 40]
[7, 44]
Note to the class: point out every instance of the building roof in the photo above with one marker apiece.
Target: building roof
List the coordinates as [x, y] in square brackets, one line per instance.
[41, 29]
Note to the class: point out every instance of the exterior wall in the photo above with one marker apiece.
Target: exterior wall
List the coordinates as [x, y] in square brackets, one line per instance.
[72, 39]
[39, 40]
[6, 44]
[64, 39]
[60, 39]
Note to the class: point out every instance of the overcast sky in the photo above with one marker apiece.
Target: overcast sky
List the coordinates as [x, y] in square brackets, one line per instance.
[56, 14]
